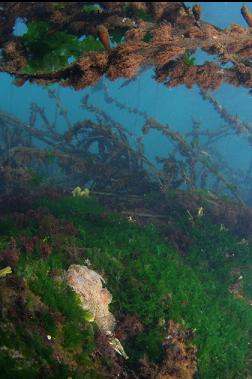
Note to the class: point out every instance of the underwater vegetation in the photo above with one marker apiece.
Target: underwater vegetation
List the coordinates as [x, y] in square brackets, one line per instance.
[151, 284]
[142, 33]
[49, 50]
[95, 8]
[189, 59]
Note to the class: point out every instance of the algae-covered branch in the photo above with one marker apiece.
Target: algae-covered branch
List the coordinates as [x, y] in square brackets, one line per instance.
[75, 44]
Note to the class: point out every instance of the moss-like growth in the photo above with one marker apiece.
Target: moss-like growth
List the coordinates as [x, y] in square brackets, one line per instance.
[143, 15]
[94, 8]
[146, 277]
[148, 37]
[149, 279]
[117, 35]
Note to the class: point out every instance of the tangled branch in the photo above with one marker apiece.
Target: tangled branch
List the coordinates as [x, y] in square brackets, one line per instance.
[142, 34]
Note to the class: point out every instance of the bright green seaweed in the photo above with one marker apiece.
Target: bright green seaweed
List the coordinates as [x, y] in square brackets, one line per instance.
[149, 278]
[48, 50]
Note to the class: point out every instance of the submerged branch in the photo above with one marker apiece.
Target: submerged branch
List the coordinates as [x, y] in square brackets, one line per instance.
[145, 34]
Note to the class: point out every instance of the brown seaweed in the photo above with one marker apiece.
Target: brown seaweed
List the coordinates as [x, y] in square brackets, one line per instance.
[157, 34]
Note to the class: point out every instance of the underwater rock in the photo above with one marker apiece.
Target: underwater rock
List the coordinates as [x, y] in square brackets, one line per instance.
[88, 284]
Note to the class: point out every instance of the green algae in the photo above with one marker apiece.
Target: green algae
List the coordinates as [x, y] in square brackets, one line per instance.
[96, 8]
[148, 37]
[148, 278]
[189, 59]
[141, 270]
[48, 50]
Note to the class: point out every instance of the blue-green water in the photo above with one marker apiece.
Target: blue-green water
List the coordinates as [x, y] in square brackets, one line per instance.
[175, 106]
